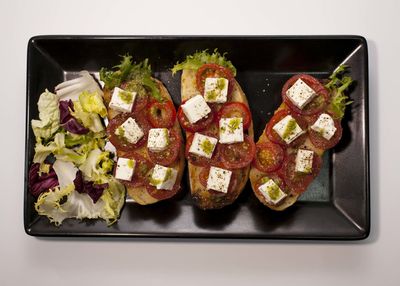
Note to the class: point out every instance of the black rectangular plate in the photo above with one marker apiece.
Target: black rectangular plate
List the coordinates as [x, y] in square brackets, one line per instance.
[336, 208]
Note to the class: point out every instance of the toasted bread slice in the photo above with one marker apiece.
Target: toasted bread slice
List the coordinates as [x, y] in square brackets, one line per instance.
[140, 194]
[200, 194]
[256, 175]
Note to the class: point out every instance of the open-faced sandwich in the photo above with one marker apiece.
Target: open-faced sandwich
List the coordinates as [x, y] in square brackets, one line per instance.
[308, 122]
[144, 131]
[71, 175]
[219, 130]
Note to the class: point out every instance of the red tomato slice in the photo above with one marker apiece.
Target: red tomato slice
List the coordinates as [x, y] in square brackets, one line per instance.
[269, 157]
[169, 155]
[317, 104]
[142, 171]
[163, 194]
[320, 142]
[296, 181]
[194, 127]
[236, 109]
[200, 160]
[275, 138]
[119, 142]
[237, 155]
[203, 177]
[161, 114]
[213, 70]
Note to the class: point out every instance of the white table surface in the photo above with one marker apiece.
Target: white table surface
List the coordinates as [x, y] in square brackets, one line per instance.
[26, 260]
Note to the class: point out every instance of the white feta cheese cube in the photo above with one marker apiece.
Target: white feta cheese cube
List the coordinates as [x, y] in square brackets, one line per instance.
[325, 126]
[125, 169]
[203, 145]
[219, 179]
[163, 178]
[158, 139]
[111, 148]
[231, 130]
[195, 108]
[272, 192]
[122, 100]
[304, 161]
[130, 130]
[216, 89]
[288, 129]
[300, 94]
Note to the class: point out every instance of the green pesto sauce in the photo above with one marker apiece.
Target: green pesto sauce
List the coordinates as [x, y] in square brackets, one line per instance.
[273, 192]
[264, 180]
[234, 124]
[120, 131]
[207, 146]
[212, 95]
[125, 96]
[168, 175]
[155, 182]
[220, 84]
[291, 126]
[130, 163]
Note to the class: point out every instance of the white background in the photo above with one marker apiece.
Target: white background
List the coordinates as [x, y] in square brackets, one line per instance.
[26, 260]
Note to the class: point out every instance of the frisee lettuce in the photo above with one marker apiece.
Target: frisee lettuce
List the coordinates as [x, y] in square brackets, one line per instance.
[337, 85]
[62, 203]
[137, 75]
[199, 58]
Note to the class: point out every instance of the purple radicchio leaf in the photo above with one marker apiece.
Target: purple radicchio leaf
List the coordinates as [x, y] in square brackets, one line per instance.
[39, 184]
[67, 121]
[94, 191]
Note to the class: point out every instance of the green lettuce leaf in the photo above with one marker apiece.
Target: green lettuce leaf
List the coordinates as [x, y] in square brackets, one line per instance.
[49, 115]
[93, 103]
[195, 61]
[89, 120]
[337, 85]
[136, 75]
[97, 166]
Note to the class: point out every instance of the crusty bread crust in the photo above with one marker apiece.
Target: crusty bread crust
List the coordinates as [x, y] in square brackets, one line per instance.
[140, 194]
[199, 193]
[256, 174]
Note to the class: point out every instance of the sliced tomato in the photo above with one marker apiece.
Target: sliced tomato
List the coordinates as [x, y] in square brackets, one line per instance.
[163, 194]
[297, 181]
[317, 104]
[121, 143]
[213, 70]
[320, 142]
[141, 102]
[161, 114]
[275, 138]
[237, 155]
[236, 109]
[203, 178]
[194, 127]
[142, 171]
[269, 157]
[200, 160]
[169, 155]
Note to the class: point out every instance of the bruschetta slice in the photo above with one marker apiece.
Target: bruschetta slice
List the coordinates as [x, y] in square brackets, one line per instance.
[219, 131]
[306, 124]
[144, 131]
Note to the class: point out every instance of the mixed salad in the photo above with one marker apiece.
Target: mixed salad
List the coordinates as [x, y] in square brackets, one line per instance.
[71, 174]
